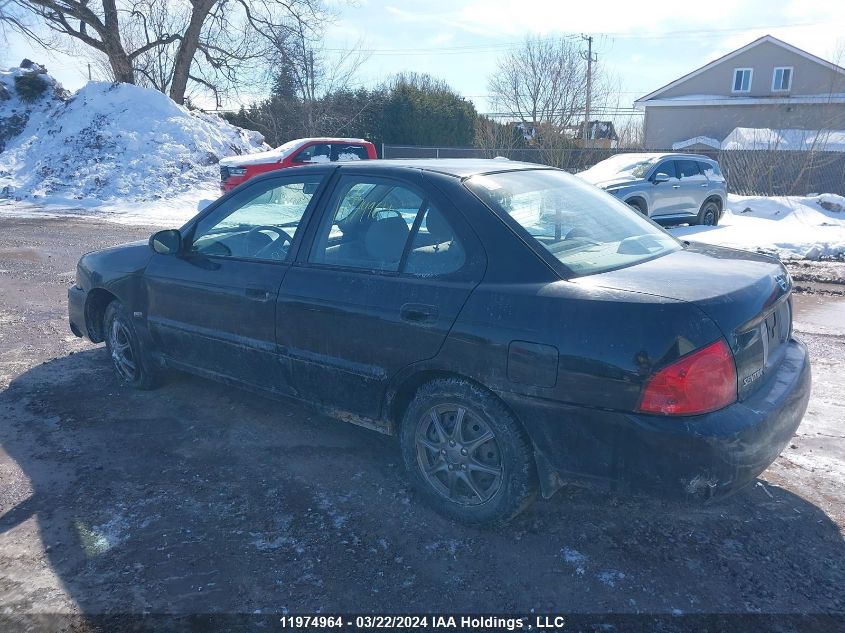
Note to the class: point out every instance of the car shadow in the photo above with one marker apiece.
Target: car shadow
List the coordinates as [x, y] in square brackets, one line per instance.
[203, 499]
[684, 231]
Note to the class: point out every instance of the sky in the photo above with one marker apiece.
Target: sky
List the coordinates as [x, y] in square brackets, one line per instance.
[643, 46]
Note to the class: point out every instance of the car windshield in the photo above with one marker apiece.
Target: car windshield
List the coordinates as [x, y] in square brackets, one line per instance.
[586, 229]
[620, 166]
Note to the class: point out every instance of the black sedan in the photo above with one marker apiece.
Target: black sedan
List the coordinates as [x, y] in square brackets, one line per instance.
[515, 327]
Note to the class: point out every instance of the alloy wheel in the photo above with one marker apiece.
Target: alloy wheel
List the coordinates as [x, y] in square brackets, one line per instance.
[458, 454]
[121, 351]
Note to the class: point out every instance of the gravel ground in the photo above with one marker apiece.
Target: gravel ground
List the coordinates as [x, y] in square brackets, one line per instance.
[198, 498]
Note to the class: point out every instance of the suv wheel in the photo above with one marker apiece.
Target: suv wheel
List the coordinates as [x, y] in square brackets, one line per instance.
[638, 205]
[465, 453]
[709, 214]
[130, 360]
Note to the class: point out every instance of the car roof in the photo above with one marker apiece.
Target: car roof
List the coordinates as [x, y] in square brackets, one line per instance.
[329, 139]
[458, 167]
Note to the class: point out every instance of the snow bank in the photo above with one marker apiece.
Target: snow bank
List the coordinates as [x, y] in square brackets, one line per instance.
[112, 143]
[697, 140]
[747, 138]
[807, 227]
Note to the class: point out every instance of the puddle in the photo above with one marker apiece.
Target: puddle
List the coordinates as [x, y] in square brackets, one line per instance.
[818, 314]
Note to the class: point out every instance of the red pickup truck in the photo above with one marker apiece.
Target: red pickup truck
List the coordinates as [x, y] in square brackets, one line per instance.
[302, 151]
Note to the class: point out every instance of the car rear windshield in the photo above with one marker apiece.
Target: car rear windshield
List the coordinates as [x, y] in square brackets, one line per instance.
[585, 229]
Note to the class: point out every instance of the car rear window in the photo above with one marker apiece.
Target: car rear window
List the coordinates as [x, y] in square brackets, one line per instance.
[349, 152]
[709, 169]
[687, 168]
[587, 230]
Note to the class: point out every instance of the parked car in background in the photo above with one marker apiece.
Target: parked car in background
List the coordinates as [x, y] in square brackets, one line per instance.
[668, 188]
[514, 326]
[302, 151]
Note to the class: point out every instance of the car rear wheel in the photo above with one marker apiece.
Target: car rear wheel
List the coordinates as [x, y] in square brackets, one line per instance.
[709, 214]
[466, 454]
[131, 362]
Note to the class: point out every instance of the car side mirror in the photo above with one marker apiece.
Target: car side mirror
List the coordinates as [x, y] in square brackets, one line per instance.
[661, 177]
[310, 188]
[167, 242]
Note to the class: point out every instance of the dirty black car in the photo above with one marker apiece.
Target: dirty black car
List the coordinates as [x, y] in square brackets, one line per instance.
[515, 327]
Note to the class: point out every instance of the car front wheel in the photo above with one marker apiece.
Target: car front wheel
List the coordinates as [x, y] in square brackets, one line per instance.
[466, 454]
[638, 205]
[130, 361]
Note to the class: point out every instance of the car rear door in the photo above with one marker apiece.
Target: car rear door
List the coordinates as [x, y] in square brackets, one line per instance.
[665, 196]
[212, 308]
[389, 268]
[694, 186]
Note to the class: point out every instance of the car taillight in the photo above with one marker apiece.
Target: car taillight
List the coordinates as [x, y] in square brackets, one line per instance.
[700, 382]
[236, 172]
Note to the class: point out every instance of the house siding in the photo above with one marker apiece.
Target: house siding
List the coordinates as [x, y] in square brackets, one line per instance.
[667, 125]
[808, 77]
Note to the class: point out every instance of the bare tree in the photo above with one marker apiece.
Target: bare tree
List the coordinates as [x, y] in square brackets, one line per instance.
[496, 138]
[168, 44]
[543, 85]
[631, 132]
[313, 73]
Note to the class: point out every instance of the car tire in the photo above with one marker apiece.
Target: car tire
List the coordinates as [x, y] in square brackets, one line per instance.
[462, 475]
[709, 214]
[638, 205]
[130, 360]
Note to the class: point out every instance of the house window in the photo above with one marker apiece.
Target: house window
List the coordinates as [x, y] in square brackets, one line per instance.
[782, 79]
[742, 80]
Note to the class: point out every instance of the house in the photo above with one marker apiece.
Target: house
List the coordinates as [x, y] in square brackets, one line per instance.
[767, 84]
[600, 134]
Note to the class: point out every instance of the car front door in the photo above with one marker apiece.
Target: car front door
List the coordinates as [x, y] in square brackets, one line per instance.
[390, 265]
[694, 186]
[665, 196]
[212, 307]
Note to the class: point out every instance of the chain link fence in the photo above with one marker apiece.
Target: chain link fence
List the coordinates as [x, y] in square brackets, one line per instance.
[748, 172]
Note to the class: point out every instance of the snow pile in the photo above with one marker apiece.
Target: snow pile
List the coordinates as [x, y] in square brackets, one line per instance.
[114, 143]
[16, 108]
[696, 141]
[746, 138]
[808, 227]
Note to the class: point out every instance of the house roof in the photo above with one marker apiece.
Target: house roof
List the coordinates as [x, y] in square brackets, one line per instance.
[766, 38]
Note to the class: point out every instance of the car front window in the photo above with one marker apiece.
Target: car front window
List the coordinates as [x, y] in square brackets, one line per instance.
[584, 228]
[259, 224]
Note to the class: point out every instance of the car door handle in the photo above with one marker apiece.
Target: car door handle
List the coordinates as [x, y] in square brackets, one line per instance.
[704, 184]
[257, 293]
[418, 313]
[676, 186]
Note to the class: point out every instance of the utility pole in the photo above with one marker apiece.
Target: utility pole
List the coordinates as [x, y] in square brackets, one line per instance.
[590, 59]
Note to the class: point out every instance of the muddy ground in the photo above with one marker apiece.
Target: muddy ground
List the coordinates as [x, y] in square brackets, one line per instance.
[198, 498]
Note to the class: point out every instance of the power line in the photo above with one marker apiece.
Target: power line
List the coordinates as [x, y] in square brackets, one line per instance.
[473, 49]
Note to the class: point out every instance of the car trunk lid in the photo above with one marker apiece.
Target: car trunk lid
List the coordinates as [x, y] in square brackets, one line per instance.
[747, 295]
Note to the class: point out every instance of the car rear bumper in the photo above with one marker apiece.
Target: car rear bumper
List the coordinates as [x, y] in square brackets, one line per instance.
[699, 457]
[76, 311]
